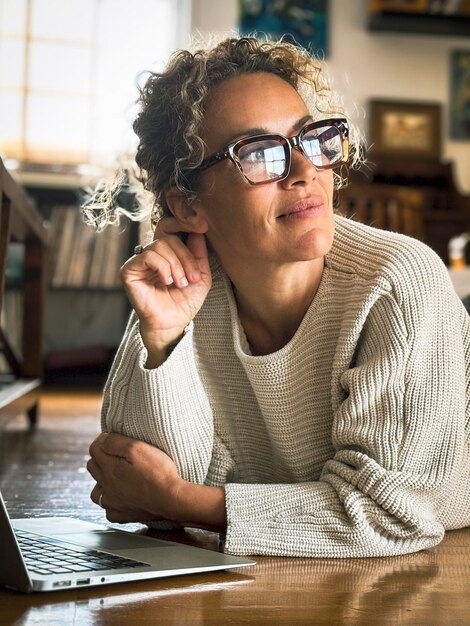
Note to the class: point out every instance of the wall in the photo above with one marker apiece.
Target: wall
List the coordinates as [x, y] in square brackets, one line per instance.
[367, 65]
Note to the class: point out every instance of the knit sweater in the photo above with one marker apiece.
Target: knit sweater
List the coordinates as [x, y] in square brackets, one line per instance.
[353, 439]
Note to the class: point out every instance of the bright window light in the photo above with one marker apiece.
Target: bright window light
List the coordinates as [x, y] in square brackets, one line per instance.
[69, 72]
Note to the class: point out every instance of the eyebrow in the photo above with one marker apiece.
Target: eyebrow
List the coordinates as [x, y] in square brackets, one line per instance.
[252, 132]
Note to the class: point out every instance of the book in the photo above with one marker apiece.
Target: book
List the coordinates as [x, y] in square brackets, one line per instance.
[55, 228]
[81, 254]
[65, 239]
[98, 258]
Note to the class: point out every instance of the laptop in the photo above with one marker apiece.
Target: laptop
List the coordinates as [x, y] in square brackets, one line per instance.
[53, 553]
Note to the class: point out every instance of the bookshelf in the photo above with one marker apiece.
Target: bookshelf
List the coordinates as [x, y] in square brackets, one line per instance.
[87, 309]
[22, 226]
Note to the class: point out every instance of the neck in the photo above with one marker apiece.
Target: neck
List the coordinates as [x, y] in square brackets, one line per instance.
[272, 303]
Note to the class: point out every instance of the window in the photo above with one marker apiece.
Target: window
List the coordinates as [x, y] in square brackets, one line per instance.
[68, 74]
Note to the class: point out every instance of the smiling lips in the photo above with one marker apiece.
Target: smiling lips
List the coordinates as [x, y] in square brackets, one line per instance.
[309, 207]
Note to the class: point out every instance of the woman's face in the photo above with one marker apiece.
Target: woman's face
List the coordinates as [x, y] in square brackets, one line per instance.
[262, 223]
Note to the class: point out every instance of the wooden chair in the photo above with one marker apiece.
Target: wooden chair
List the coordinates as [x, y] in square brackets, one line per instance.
[390, 207]
[445, 210]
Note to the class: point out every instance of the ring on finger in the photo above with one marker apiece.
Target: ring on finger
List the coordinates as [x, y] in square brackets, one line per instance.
[100, 500]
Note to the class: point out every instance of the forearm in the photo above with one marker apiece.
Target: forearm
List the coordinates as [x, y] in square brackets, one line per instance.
[166, 407]
[320, 520]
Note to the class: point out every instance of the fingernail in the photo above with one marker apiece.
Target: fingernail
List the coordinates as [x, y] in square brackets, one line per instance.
[169, 280]
[183, 281]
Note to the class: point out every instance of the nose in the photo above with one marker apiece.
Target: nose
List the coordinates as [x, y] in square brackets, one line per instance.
[302, 170]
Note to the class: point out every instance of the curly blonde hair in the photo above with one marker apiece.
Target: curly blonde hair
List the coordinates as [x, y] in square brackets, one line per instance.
[172, 107]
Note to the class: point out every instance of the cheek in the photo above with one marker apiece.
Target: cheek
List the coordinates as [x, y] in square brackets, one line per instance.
[326, 180]
[239, 220]
[238, 205]
[222, 178]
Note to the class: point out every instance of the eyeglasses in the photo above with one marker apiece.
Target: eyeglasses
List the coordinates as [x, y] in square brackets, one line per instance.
[267, 158]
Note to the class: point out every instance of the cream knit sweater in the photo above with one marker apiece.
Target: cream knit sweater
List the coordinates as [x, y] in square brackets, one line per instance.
[353, 439]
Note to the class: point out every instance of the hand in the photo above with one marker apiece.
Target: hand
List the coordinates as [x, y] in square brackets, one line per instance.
[167, 284]
[139, 483]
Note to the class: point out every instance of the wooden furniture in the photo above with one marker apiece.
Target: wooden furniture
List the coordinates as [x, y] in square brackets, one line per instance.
[20, 222]
[428, 588]
[416, 198]
[390, 207]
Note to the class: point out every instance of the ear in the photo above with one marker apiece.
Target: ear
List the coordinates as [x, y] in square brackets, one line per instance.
[186, 211]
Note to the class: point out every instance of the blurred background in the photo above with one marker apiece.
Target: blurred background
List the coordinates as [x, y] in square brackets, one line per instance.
[69, 71]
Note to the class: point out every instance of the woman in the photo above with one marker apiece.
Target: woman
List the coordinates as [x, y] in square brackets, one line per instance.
[302, 388]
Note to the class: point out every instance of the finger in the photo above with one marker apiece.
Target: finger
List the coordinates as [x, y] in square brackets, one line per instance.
[164, 257]
[96, 492]
[105, 500]
[96, 446]
[97, 443]
[148, 262]
[181, 266]
[188, 262]
[119, 446]
[198, 247]
[168, 226]
[180, 260]
[95, 471]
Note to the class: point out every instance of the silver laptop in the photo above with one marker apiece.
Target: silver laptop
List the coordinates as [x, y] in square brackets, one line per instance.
[52, 553]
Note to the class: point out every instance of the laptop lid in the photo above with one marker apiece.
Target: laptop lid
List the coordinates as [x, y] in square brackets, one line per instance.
[13, 572]
[151, 558]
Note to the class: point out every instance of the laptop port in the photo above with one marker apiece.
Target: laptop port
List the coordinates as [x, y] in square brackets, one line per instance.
[83, 581]
[62, 583]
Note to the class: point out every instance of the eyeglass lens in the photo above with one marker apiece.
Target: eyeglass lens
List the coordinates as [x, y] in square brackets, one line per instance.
[267, 159]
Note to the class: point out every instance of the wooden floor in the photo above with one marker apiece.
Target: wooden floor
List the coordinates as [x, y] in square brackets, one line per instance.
[43, 471]
[48, 462]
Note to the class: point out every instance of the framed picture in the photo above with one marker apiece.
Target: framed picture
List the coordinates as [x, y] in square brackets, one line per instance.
[460, 94]
[405, 129]
[305, 22]
[398, 6]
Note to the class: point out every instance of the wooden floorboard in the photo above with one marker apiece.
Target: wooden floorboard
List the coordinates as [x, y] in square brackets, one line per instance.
[43, 469]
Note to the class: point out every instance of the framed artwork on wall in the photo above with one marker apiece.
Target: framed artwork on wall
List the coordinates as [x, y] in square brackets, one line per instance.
[432, 7]
[399, 6]
[304, 22]
[459, 104]
[405, 129]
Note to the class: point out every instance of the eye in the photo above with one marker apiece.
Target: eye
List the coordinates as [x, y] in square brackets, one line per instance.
[254, 154]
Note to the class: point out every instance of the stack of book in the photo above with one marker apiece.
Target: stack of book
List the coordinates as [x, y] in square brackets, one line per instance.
[80, 257]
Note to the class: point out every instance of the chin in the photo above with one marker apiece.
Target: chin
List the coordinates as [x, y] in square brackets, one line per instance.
[314, 244]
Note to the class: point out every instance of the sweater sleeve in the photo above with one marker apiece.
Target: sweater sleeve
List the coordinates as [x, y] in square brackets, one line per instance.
[398, 436]
[166, 406]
